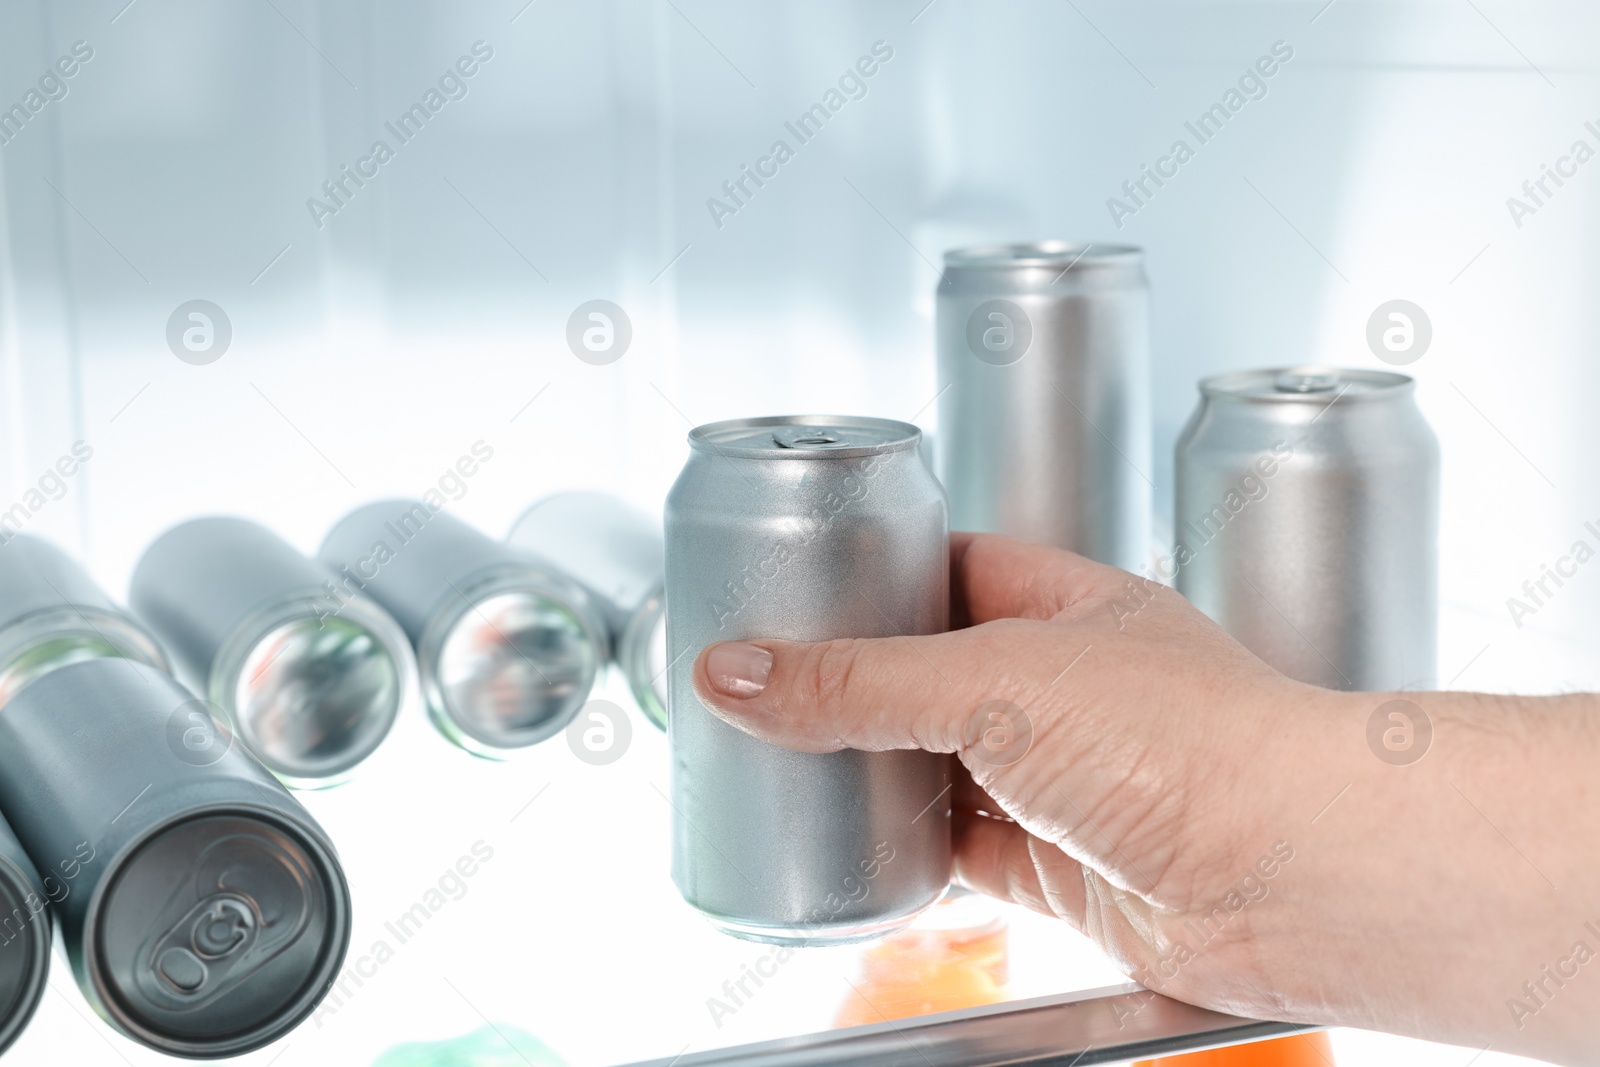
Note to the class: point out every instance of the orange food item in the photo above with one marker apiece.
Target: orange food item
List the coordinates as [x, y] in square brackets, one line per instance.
[1300, 1050]
[953, 957]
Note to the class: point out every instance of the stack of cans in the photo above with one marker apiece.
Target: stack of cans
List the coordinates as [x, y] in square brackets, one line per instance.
[204, 911]
[311, 661]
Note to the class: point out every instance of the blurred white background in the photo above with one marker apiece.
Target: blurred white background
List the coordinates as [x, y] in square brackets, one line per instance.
[430, 312]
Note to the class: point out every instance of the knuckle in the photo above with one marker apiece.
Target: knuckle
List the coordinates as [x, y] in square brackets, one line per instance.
[829, 672]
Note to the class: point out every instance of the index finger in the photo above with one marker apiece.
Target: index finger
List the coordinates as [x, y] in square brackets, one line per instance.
[994, 577]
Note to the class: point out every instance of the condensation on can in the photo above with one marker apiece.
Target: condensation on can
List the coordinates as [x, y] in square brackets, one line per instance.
[1307, 517]
[804, 529]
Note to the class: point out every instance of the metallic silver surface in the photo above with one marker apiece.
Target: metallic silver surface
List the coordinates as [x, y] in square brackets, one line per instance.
[805, 529]
[53, 615]
[1307, 519]
[28, 933]
[642, 655]
[314, 697]
[616, 553]
[311, 678]
[512, 669]
[209, 918]
[1073, 1030]
[1044, 423]
[507, 647]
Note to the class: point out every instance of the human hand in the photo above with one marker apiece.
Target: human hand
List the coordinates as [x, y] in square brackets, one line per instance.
[1224, 833]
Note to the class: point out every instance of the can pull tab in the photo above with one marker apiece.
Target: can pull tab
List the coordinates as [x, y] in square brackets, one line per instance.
[247, 901]
[809, 437]
[214, 930]
[1295, 382]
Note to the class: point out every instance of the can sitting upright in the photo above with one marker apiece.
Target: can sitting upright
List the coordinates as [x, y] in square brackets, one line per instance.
[1307, 509]
[1044, 382]
[803, 528]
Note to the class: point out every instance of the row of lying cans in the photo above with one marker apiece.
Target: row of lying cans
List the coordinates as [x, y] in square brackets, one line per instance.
[1306, 510]
[204, 911]
[311, 660]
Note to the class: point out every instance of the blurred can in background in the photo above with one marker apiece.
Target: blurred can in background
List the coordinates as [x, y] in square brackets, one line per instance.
[311, 684]
[1307, 516]
[53, 614]
[507, 649]
[1044, 422]
[805, 529]
[616, 553]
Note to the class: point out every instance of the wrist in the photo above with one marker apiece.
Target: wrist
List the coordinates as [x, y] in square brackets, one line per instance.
[1438, 877]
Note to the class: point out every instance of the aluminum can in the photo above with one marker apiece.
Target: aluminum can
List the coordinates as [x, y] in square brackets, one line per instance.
[1044, 419]
[805, 529]
[1307, 516]
[507, 647]
[52, 613]
[204, 912]
[26, 934]
[311, 682]
[616, 553]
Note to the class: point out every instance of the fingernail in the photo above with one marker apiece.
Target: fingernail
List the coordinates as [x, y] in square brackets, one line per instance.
[738, 669]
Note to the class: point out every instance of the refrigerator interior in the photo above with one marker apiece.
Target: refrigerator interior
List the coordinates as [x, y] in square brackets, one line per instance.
[380, 329]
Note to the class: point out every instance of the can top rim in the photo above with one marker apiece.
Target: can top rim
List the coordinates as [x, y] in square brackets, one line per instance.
[38, 936]
[127, 633]
[226, 670]
[534, 582]
[1306, 384]
[759, 438]
[1074, 255]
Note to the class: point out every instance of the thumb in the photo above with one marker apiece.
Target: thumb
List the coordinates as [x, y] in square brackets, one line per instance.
[871, 694]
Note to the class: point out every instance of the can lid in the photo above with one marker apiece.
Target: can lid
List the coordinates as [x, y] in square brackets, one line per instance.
[1059, 254]
[1309, 384]
[24, 962]
[218, 933]
[804, 437]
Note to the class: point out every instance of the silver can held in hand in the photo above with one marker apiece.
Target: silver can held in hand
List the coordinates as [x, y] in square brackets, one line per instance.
[1307, 514]
[806, 529]
[616, 553]
[1044, 421]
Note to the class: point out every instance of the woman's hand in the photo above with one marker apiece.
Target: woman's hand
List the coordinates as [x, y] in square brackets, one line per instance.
[1231, 837]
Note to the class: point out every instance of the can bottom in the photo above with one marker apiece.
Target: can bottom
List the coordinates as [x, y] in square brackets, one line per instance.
[818, 935]
[642, 655]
